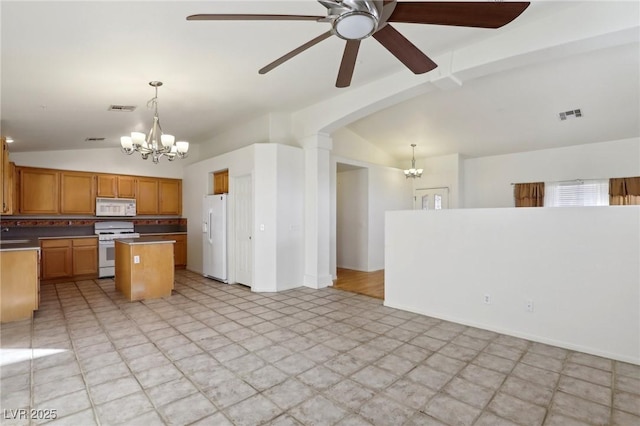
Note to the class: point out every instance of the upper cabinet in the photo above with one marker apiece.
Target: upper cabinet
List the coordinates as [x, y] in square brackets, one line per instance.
[48, 191]
[77, 193]
[221, 182]
[38, 190]
[170, 196]
[147, 195]
[6, 180]
[116, 186]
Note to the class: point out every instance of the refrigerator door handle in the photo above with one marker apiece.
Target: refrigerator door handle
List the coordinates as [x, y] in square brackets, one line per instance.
[210, 221]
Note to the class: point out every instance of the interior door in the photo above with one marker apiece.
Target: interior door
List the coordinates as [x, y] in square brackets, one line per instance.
[431, 199]
[243, 228]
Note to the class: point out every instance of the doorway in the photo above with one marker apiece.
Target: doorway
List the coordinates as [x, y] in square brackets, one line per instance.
[431, 199]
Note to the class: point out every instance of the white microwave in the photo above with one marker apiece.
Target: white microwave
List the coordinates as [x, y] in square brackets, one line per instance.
[115, 207]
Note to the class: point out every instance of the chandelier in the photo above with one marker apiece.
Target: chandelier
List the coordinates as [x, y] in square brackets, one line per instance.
[413, 172]
[156, 144]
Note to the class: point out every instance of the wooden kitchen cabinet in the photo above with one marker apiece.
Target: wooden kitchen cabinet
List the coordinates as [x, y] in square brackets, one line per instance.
[179, 248]
[147, 195]
[170, 196]
[6, 180]
[221, 182]
[85, 256]
[77, 193]
[38, 190]
[19, 286]
[68, 258]
[57, 259]
[116, 186]
[126, 186]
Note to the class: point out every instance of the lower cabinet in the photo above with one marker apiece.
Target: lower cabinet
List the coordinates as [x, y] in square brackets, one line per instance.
[64, 258]
[19, 286]
[179, 248]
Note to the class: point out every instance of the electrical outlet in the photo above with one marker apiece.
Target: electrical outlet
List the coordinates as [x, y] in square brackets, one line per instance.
[529, 305]
[487, 299]
[136, 259]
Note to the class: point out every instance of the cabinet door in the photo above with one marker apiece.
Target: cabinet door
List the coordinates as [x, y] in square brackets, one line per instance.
[179, 249]
[170, 196]
[147, 195]
[56, 259]
[38, 190]
[107, 186]
[126, 187]
[221, 182]
[77, 193]
[85, 256]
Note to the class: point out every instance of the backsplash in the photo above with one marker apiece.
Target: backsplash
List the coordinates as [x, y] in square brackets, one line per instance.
[37, 228]
[29, 223]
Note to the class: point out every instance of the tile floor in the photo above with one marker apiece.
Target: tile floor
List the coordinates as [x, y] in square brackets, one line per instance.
[214, 354]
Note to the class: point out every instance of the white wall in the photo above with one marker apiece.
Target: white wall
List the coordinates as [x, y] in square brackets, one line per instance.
[487, 180]
[196, 183]
[347, 144]
[278, 203]
[442, 172]
[352, 215]
[106, 160]
[578, 265]
[290, 218]
[388, 190]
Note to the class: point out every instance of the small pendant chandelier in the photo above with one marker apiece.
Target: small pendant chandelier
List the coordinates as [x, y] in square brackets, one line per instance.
[413, 172]
[156, 144]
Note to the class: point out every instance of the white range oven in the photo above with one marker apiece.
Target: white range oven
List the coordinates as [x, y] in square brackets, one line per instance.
[107, 233]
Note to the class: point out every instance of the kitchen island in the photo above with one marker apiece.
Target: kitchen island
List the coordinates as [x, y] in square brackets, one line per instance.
[144, 267]
[19, 285]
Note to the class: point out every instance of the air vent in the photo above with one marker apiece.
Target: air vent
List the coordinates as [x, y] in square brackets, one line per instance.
[574, 113]
[94, 139]
[122, 108]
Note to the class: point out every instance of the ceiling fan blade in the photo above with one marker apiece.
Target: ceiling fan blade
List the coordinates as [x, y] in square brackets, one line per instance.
[251, 17]
[404, 50]
[492, 14]
[348, 63]
[294, 52]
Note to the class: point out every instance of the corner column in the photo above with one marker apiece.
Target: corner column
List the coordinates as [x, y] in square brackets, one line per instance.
[317, 151]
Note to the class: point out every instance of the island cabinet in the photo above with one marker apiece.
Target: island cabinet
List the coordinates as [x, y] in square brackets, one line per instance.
[38, 190]
[116, 186]
[77, 193]
[20, 288]
[66, 258]
[144, 268]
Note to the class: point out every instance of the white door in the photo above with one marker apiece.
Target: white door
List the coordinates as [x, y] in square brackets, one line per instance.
[243, 220]
[431, 199]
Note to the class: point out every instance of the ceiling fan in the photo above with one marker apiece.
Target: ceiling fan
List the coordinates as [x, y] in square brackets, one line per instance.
[355, 20]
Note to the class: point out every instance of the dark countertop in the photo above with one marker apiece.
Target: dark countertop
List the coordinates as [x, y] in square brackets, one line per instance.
[19, 244]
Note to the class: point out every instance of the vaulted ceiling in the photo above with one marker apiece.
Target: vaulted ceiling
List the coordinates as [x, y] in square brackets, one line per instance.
[65, 63]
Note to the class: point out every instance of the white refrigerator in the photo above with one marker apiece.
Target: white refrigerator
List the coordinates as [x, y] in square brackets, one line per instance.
[214, 233]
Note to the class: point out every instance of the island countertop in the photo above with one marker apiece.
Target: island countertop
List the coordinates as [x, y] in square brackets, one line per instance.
[144, 240]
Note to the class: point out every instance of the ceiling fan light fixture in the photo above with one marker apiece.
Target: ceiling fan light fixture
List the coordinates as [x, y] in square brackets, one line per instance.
[355, 25]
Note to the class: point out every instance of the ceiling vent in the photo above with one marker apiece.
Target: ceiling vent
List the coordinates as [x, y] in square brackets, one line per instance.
[94, 139]
[122, 108]
[574, 113]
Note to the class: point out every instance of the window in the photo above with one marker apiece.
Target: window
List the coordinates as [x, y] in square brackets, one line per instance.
[593, 192]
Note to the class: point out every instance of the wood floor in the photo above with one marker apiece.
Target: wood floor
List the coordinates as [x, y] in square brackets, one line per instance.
[368, 283]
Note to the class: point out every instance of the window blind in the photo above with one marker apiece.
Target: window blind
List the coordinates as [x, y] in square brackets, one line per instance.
[594, 192]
